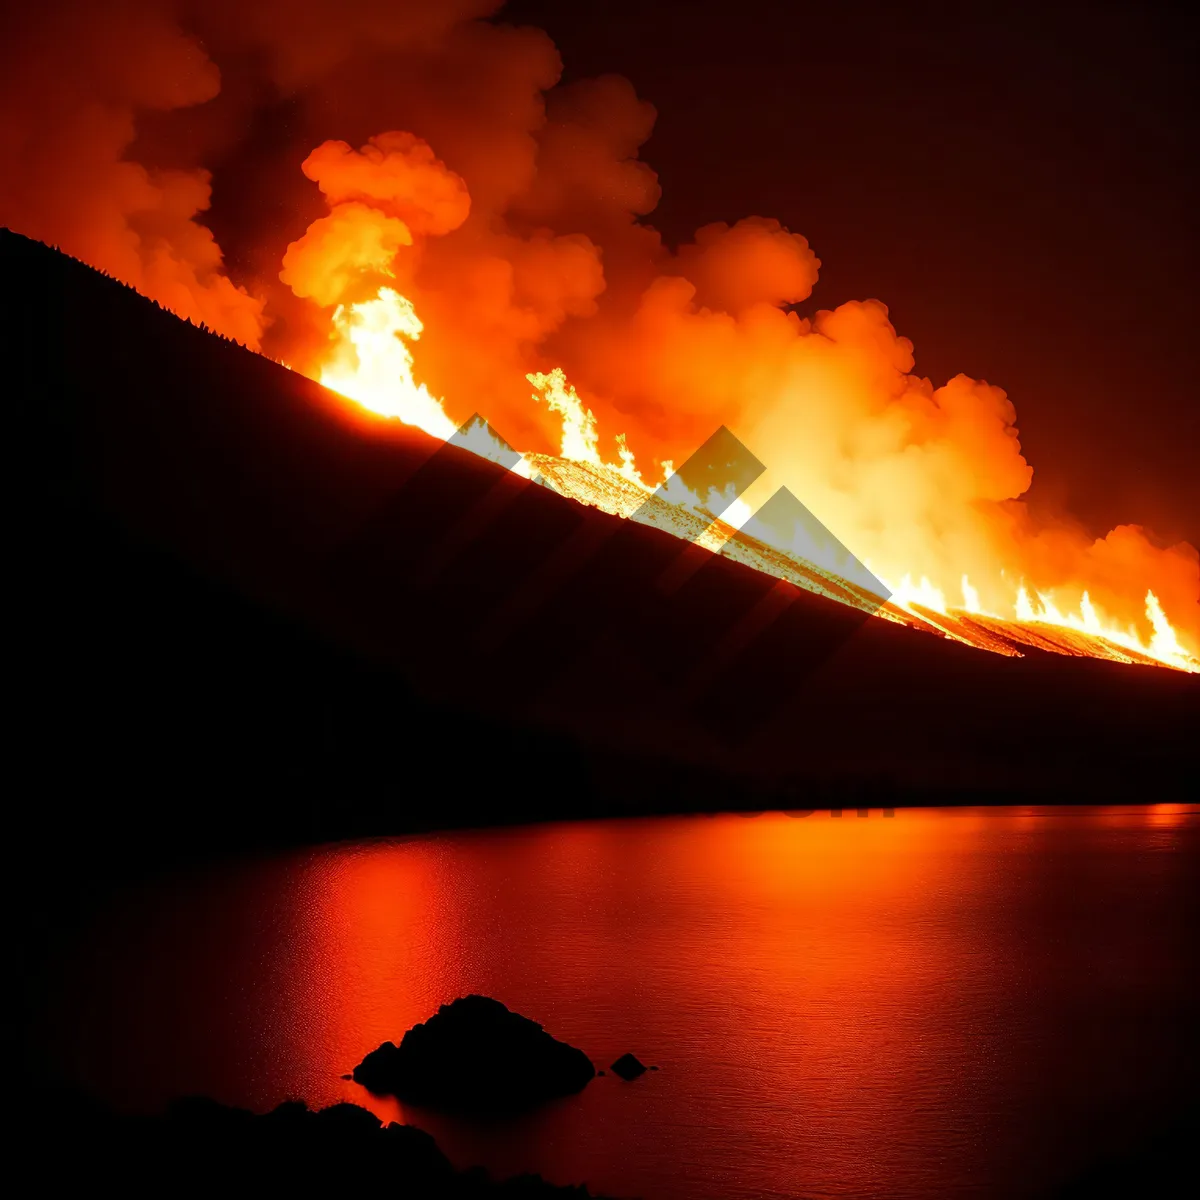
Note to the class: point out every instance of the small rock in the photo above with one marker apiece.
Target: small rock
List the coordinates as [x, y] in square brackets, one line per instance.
[628, 1067]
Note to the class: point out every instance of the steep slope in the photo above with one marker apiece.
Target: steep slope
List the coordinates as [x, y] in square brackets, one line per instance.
[247, 609]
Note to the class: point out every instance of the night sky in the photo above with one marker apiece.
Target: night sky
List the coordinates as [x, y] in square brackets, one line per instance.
[1019, 187]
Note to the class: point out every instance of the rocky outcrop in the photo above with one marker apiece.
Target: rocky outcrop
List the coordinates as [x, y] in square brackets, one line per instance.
[476, 1055]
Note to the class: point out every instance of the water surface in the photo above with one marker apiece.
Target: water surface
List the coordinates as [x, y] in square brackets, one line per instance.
[963, 1002]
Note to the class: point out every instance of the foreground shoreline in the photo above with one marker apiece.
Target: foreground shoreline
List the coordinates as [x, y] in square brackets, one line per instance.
[198, 1146]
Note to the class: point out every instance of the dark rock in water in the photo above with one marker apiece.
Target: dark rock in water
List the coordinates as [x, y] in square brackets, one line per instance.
[476, 1055]
[348, 1075]
[599, 1073]
[654, 1068]
[628, 1067]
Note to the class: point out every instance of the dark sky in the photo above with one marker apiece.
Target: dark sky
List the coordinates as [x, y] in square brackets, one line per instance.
[1018, 185]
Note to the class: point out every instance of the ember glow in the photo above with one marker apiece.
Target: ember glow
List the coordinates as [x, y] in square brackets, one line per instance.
[479, 245]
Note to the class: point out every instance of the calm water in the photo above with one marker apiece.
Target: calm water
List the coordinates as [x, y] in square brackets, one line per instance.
[943, 1003]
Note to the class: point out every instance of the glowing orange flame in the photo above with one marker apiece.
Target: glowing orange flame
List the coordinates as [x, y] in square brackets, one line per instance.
[372, 364]
[1164, 644]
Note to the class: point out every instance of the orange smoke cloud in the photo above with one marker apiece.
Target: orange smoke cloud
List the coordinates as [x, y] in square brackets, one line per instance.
[508, 211]
[354, 242]
[75, 78]
[395, 173]
[756, 261]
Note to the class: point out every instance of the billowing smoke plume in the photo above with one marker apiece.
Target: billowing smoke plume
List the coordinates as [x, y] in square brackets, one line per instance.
[361, 144]
[76, 77]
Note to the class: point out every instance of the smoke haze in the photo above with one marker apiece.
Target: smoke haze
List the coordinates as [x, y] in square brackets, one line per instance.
[367, 143]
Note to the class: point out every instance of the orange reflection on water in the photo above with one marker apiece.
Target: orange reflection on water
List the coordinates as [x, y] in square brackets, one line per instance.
[361, 964]
[839, 1005]
[801, 958]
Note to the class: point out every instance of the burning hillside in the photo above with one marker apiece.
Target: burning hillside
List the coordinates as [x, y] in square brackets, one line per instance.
[444, 229]
[921, 607]
[235, 582]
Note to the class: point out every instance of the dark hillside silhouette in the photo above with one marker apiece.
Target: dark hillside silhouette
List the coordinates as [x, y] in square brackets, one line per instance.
[233, 626]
